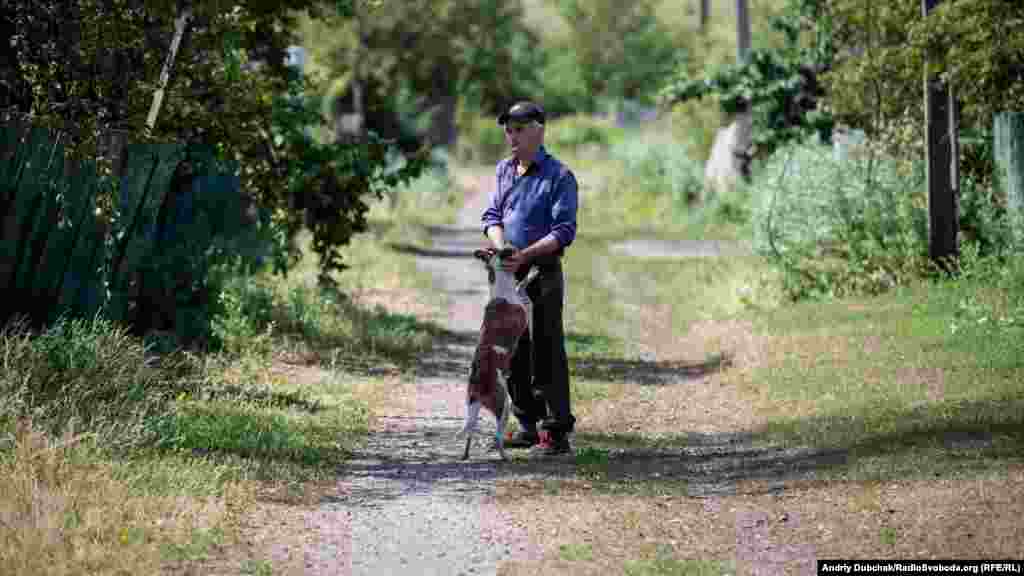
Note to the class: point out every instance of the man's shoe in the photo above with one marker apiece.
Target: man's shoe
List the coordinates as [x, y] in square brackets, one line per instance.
[551, 445]
[522, 439]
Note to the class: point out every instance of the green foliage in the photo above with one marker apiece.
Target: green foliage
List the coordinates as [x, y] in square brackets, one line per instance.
[85, 375]
[974, 46]
[563, 88]
[418, 61]
[778, 84]
[253, 431]
[984, 220]
[661, 168]
[697, 121]
[622, 51]
[242, 327]
[995, 314]
[481, 140]
[569, 133]
[326, 184]
[839, 227]
[876, 85]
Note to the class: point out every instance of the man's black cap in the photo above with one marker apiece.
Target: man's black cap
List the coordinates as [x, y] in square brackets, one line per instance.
[522, 112]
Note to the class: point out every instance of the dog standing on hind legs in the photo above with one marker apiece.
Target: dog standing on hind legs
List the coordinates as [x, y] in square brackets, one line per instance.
[507, 317]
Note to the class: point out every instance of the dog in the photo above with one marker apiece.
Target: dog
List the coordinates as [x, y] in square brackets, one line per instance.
[507, 317]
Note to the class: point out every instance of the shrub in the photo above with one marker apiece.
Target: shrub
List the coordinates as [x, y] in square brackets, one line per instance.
[663, 168]
[90, 374]
[481, 140]
[569, 133]
[697, 121]
[836, 227]
[983, 217]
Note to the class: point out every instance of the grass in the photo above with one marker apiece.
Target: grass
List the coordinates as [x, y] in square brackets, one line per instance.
[65, 508]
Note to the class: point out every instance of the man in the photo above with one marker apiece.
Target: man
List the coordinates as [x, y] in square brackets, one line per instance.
[533, 210]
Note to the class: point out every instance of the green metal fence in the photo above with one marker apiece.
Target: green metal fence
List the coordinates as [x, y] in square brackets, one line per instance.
[175, 213]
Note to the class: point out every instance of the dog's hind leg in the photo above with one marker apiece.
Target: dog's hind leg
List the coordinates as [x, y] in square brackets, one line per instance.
[501, 417]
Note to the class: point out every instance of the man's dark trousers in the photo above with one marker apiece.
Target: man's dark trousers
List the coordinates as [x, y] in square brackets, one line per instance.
[545, 399]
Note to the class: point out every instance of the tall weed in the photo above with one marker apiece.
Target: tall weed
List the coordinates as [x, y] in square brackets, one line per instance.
[661, 167]
[569, 133]
[86, 373]
[836, 227]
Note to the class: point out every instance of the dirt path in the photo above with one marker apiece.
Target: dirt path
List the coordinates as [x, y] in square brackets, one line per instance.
[414, 506]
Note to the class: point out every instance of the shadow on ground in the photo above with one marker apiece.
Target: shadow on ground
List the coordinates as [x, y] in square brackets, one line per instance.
[648, 373]
[696, 464]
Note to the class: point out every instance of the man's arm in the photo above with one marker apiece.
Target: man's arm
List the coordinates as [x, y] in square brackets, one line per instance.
[563, 229]
[496, 233]
[491, 218]
[546, 245]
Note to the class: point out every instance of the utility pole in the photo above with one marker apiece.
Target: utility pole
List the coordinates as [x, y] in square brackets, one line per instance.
[742, 29]
[942, 161]
[705, 15]
[745, 119]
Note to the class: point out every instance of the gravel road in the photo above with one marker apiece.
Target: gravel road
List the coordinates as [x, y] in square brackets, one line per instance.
[413, 506]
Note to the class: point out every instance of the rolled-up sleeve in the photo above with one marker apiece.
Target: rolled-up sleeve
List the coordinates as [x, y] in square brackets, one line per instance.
[563, 209]
[492, 215]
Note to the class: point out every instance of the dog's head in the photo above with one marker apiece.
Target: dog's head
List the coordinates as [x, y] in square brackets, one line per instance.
[492, 260]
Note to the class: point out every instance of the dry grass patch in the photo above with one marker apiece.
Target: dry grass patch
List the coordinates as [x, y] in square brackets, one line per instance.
[756, 532]
[64, 511]
[615, 529]
[921, 519]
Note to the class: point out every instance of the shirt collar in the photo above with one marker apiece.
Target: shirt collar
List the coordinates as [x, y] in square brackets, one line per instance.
[537, 158]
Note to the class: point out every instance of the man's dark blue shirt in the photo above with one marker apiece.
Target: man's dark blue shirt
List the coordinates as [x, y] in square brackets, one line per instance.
[540, 202]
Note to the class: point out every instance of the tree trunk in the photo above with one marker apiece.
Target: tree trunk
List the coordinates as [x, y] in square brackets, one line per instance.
[444, 102]
[742, 29]
[940, 118]
[744, 120]
[1009, 153]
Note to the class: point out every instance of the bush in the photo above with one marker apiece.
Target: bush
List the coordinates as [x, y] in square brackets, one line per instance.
[983, 217]
[569, 133]
[481, 140]
[663, 168]
[88, 374]
[838, 227]
[698, 122]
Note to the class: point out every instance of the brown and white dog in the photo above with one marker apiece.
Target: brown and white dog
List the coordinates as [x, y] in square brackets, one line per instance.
[507, 317]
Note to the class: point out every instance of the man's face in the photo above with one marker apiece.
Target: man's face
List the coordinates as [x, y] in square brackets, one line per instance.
[524, 138]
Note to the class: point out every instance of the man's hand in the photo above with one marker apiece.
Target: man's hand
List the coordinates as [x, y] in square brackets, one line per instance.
[512, 260]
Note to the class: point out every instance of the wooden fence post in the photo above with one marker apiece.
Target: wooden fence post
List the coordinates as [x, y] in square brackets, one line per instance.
[1008, 134]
